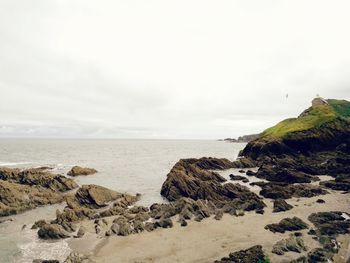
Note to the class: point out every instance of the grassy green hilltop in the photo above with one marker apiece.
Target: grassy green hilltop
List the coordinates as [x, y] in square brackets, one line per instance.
[315, 116]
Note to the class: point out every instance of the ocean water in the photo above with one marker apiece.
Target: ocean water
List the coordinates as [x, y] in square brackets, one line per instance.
[133, 166]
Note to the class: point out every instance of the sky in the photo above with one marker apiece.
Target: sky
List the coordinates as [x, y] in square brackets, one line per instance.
[167, 69]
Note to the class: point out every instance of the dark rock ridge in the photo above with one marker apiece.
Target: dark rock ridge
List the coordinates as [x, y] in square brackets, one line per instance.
[254, 254]
[286, 191]
[22, 190]
[330, 223]
[77, 170]
[287, 224]
[193, 178]
[325, 137]
[280, 205]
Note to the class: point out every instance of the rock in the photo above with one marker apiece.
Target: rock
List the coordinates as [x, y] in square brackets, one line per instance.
[124, 229]
[183, 222]
[260, 211]
[320, 201]
[250, 255]
[218, 215]
[330, 223]
[286, 191]
[241, 171]
[38, 224]
[295, 244]
[319, 255]
[108, 233]
[97, 229]
[149, 226]
[276, 173]
[81, 232]
[16, 198]
[138, 226]
[280, 205]
[237, 177]
[75, 257]
[115, 228]
[94, 196]
[339, 185]
[52, 231]
[143, 216]
[77, 170]
[287, 224]
[165, 223]
[38, 177]
[138, 209]
[188, 179]
[21, 190]
[250, 173]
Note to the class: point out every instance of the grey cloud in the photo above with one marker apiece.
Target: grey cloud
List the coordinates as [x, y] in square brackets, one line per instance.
[184, 69]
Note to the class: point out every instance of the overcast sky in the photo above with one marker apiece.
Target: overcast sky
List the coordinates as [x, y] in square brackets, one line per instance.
[166, 69]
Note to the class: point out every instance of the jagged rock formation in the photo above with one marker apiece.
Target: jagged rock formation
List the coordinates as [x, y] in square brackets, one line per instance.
[193, 178]
[21, 190]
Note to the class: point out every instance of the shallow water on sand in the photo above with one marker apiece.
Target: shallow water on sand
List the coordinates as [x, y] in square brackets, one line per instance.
[133, 166]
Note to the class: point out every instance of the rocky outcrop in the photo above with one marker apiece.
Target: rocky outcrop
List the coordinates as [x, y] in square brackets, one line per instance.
[89, 202]
[22, 190]
[193, 178]
[38, 177]
[250, 255]
[276, 173]
[16, 198]
[293, 243]
[78, 170]
[325, 137]
[95, 196]
[287, 224]
[330, 223]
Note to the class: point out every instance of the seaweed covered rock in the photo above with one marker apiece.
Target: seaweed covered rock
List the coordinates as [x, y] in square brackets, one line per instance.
[293, 243]
[78, 170]
[330, 223]
[287, 224]
[254, 254]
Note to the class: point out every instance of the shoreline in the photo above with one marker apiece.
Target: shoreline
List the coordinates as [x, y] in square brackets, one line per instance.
[210, 240]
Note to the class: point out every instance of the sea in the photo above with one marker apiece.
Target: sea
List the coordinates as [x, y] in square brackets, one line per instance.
[132, 166]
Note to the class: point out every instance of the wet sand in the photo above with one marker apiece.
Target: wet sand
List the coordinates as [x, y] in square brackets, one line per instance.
[210, 240]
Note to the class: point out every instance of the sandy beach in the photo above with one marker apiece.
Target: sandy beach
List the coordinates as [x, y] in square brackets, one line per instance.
[209, 240]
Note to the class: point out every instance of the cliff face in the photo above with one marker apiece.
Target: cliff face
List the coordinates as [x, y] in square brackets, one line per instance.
[322, 127]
